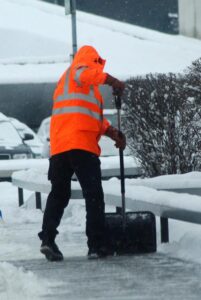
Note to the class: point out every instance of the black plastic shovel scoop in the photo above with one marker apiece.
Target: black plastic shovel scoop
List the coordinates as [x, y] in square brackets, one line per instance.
[129, 232]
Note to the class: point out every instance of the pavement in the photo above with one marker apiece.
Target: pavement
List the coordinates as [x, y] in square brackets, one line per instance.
[148, 277]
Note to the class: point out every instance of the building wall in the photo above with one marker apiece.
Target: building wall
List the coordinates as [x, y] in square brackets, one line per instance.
[190, 18]
[155, 14]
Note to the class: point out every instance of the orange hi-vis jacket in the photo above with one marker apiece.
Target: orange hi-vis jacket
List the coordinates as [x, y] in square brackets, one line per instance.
[77, 117]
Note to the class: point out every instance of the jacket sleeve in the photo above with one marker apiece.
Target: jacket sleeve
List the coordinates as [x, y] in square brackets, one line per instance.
[89, 76]
[105, 126]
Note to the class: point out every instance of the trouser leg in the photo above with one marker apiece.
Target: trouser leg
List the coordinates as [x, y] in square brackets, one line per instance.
[87, 169]
[60, 175]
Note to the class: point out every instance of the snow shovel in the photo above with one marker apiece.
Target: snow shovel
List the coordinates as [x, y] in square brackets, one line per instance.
[129, 232]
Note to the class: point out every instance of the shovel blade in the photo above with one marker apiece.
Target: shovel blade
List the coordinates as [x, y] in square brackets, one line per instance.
[137, 235]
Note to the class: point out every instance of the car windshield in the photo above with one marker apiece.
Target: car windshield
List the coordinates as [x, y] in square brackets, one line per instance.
[112, 118]
[8, 133]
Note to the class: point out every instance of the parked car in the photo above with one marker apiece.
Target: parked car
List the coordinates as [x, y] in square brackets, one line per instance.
[12, 146]
[106, 144]
[44, 130]
[35, 143]
[44, 135]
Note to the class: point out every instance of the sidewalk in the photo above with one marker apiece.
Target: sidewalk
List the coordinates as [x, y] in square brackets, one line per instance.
[148, 277]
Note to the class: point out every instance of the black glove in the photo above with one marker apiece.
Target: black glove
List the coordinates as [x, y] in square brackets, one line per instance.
[117, 85]
[117, 136]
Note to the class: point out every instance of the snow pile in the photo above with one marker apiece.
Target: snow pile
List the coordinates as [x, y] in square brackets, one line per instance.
[181, 181]
[19, 164]
[15, 283]
[39, 44]
[185, 241]
[19, 241]
[150, 195]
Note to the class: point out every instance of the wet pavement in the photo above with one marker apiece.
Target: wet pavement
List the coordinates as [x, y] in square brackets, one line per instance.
[147, 277]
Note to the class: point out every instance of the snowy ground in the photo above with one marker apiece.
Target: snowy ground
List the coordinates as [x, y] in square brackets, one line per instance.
[25, 274]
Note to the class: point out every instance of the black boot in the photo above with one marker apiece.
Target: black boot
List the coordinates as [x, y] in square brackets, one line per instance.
[51, 250]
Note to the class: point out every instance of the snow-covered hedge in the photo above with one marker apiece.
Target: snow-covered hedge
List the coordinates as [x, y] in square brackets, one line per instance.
[163, 121]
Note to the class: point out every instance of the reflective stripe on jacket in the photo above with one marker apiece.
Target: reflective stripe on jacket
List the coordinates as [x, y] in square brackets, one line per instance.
[77, 116]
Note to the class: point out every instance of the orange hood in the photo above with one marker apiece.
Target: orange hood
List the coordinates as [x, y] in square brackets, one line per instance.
[88, 56]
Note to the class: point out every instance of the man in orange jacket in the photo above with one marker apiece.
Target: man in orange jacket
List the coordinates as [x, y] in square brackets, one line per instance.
[77, 124]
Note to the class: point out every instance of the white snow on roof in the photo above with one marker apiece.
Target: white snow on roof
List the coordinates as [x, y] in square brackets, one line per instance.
[3, 117]
[36, 44]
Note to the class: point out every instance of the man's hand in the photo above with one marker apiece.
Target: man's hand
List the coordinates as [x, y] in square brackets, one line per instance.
[117, 136]
[117, 85]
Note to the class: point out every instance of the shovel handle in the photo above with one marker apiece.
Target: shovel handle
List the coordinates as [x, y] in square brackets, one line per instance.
[121, 158]
[122, 175]
[117, 99]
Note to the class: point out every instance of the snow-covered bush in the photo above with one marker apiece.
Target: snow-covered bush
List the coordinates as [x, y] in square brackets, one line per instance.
[194, 72]
[163, 121]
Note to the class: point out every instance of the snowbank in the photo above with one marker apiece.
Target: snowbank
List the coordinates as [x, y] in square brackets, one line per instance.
[40, 35]
[18, 284]
[179, 181]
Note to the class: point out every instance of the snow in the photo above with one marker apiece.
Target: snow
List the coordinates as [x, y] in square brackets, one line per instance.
[136, 189]
[39, 44]
[151, 195]
[17, 284]
[38, 50]
[189, 180]
[41, 164]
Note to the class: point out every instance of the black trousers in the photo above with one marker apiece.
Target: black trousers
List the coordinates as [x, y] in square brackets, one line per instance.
[86, 166]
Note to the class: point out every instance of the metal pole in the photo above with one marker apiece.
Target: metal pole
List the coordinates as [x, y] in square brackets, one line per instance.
[38, 200]
[164, 230]
[20, 196]
[74, 30]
